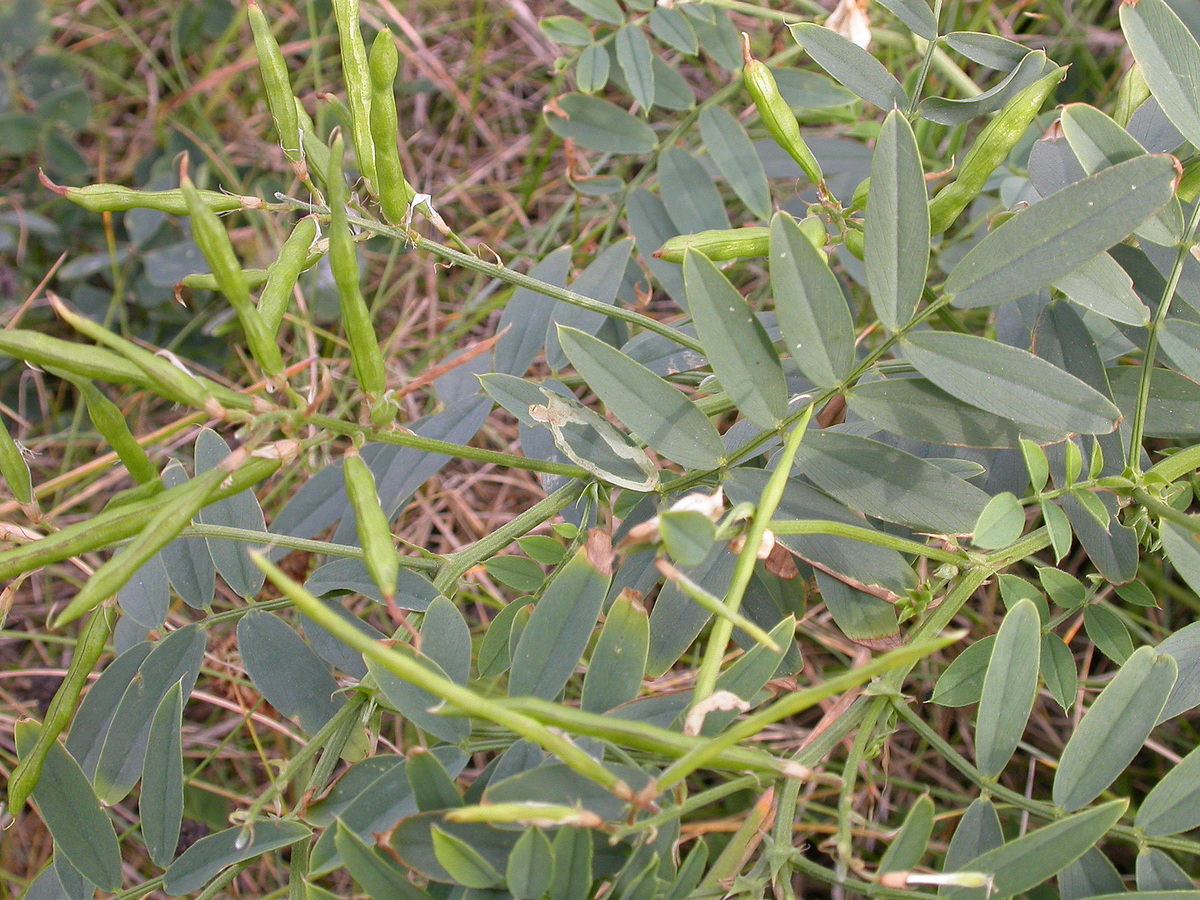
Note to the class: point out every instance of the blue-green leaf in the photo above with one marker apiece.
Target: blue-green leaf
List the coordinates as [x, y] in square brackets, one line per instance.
[851, 65]
[897, 224]
[1173, 805]
[618, 664]
[1010, 382]
[1169, 59]
[209, 855]
[1026, 862]
[1009, 688]
[530, 869]
[692, 200]
[864, 474]
[655, 412]
[287, 671]
[673, 28]
[239, 511]
[596, 124]
[737, 346]
[175, 658]
[1114, 728]
[962, 682]
[72, 814]
[733, 153]
[1055, 236]
[376, 872]
[1000, 523]
[636, 61]
[161, 802]
[810, 306]
[558, 630]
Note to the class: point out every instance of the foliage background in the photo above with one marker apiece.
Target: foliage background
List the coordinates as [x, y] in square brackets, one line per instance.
[105, 91]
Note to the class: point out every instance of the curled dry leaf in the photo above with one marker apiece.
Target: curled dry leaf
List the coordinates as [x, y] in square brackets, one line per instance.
[720, 701]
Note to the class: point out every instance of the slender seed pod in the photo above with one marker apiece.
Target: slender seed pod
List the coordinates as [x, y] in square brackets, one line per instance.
[119, 523]
[718, 244]
[162, 528]
[14, 468]
[380, 555]
[134, 494]
[365, 354]
[110, 422]
[776, 115]
[115, 198]
[395, 193]
[278, 83]
[989, 150]
[43, 351]
[213, 240]
[87, 652]
[170, 382]
[357, 75]
[814, 231]
[316, 151]
[282, 275]
[855, 242]
[206, 281]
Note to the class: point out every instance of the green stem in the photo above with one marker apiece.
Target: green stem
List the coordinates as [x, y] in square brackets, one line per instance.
[854, 759]
[722, 630]
[488, 546]
[1166, 511]
[430, 445]
[249, 536]
[867, 536]
[301, 759]
[900, 659]
[926, 62]
[1138, 427]
[819, 872]
[456, 695]
[1045, 811]
[508, 276]
[700, 801]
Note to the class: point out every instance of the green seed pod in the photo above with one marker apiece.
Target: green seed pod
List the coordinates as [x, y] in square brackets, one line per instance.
[718, 244]
[90, 362]
[989, 150]
[776, 115]
[213, 240]
[395, 193]
[87, 652]
[110, 422]
[281, 277]
[814, 231]
[365, 354]
[380, 555]
[118, 523]
[162, 528]
[14, 468]
[357, 75]
[1189, 184]
[114, 198]
[859, 201]
[854, 242]
[316, 151]
[166, 379]
[278, 83]
[134, 494]
[206, 281]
